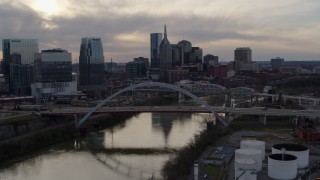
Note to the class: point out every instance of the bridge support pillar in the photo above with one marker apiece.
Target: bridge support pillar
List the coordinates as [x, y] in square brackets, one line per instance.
[181, 97]
[294, 120]
[227, 117]
[75, 119]
[227, 100]
[263, 119]
[299, 101]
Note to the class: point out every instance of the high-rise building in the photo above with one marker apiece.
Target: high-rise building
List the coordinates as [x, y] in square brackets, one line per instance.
[155, 40]
[25, 47]
[185, 47]
[53, 74]
[53, 65]
[195, 57]
[243, 54]
[175, 55]
[211, 59]
[91, 62]
[21, 76]
[276, 63]
[165, 56]
[142, 60]
[243, 59]
[136, 70]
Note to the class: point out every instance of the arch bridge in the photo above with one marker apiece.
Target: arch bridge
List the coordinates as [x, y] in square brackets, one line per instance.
[152, 84]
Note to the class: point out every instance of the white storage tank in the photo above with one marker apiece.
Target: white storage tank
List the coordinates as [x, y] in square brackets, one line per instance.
[254, 144]
[282, 166]
[245, 169]
[300, 151]
[250, 154]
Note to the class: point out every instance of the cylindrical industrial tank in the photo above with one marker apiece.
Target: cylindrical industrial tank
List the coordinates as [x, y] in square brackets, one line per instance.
[282, 166]
[250, 154]
[300, 151]
[254, 144]
[245, 169]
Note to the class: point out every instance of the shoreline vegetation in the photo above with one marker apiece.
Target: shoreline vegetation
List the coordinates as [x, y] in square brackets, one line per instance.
[40, 132]
[179, 165]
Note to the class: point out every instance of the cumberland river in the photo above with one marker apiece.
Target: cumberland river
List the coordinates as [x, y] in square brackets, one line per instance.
[123, 152]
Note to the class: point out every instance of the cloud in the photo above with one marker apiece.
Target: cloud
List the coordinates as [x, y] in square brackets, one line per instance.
[287, 27]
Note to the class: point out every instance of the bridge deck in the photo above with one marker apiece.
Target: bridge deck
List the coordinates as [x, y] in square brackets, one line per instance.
[184, 109]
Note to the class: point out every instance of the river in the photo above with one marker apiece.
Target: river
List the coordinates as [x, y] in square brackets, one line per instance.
[135, 149]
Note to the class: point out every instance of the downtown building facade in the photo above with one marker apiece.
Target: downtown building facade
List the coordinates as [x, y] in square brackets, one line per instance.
[53, 75]
[243, 60]
[155, 41]
[277, 63]
[165, 57]
[21, 76]
[176, 57]
[91, 64]
[18, 57]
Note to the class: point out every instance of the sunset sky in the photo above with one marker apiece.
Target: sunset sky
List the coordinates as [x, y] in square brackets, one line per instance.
[284, 28]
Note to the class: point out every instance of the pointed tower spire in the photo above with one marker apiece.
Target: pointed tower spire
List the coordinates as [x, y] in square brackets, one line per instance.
[165, 31]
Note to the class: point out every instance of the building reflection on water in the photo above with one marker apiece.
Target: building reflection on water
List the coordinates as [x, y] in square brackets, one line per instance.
[164, 121]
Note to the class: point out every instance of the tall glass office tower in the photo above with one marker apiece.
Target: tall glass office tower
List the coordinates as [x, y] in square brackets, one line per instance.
[155, 40]
[91, 62]
[25, 47]
[165, 57]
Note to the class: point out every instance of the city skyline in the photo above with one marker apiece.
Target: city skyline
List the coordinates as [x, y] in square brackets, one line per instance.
[287, 29]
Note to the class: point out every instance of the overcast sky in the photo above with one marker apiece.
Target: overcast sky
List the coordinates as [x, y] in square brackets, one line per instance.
[285, 28]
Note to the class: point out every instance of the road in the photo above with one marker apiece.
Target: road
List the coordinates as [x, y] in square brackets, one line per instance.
[184, 109]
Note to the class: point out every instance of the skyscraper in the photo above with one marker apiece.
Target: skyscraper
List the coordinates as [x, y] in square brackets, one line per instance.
[276, 63]
[91, 62]
[243, 59]
[165, 56]
[26, 48]
[21, 76]
[52, 74]
[155, 40]
[243, 54]
[185, 47]
[53, 65]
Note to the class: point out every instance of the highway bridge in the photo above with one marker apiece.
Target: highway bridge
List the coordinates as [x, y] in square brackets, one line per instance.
[203, 108]
[184, 109]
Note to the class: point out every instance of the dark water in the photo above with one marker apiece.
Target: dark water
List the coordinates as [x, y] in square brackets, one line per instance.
[134, 150]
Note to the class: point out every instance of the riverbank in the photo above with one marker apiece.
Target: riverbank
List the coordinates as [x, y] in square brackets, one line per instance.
[29, 133]
[178, 166]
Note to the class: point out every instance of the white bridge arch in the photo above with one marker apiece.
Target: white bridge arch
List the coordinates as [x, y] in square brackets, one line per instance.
[152, 84]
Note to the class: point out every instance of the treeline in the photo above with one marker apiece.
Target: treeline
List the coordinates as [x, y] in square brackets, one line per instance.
[299, 82]
[40, 139]
[178, 166]
[54, 130]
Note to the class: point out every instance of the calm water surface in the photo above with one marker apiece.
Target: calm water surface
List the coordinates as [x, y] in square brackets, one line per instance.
[91, 158]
